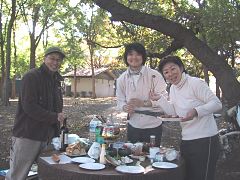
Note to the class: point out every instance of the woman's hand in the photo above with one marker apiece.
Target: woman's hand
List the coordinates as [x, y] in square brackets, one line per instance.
[128, 108]
[154, 96]
[190, 115]
[136, 102]
[61, 117]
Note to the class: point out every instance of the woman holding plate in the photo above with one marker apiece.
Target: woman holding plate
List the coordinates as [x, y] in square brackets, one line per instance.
[133, 88]
[192, 99]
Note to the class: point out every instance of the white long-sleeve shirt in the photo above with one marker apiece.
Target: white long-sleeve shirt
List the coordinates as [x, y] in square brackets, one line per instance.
[138, 86]
[189, 93]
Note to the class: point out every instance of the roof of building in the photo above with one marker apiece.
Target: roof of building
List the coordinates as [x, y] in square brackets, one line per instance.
[87, 72]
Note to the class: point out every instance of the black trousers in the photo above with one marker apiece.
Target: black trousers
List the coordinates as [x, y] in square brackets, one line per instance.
[143, 135]
[200, 156]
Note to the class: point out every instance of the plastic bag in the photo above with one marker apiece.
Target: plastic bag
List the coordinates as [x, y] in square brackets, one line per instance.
[56, 143]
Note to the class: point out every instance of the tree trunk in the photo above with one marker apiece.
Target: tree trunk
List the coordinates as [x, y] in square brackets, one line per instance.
[206, 76]
[13, 94]
[93, 74]
[75, 81]
[2, 53]
[232, 56]
[6, 86]
[216, 64]
[32, 51]
[218, 92]
[5, 93]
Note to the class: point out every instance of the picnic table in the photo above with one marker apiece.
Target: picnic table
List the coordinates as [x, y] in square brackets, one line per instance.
[72, 171]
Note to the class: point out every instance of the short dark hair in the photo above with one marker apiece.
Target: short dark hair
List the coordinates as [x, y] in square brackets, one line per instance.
[139, 48]
[170, 59]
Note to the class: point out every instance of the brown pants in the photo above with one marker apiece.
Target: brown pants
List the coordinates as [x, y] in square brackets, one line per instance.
[23, 153]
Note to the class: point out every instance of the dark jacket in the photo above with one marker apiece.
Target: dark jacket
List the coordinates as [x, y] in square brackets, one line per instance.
[40, 100]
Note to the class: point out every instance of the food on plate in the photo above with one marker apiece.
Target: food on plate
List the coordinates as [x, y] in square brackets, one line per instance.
[126, 160]
[128, 145]
[55, 158]
[169, 116]
[137, 149]
[124, 151]
[116, 162]
[77, 149]
[111, 151]
[112, 161]
[121, 152]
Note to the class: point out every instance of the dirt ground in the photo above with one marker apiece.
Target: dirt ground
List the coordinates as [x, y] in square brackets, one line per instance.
[79, 113]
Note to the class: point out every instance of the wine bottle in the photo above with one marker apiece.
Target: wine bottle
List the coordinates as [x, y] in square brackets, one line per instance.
[64, 135]
[152, 141]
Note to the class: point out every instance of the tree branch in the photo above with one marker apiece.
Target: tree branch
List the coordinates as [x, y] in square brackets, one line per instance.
[118, 46]
[216, 64]
[175, 45]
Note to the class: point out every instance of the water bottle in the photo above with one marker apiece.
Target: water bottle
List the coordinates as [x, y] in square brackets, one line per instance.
[92, 128]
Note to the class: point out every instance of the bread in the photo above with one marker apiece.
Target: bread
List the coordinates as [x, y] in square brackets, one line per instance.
[55, 158]
[75, 149]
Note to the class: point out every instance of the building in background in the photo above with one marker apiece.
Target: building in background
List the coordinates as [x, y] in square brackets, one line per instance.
[104, 82]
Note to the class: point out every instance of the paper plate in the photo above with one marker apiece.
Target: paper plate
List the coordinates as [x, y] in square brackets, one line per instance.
[92, 166]
[130, 169]
[170, 119]
[83, 160]
[164, 165]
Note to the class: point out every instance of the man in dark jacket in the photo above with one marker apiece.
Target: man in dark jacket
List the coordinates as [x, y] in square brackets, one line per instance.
[39, 114]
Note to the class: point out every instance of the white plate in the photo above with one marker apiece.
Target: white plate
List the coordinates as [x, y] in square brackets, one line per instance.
[164, 165]
[170, 119]
[92, 166]
[83, 160]
[130, 169]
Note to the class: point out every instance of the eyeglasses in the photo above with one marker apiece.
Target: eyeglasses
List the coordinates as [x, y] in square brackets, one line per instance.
[54, 58]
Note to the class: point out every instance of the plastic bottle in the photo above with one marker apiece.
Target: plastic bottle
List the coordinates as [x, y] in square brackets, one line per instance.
[98, 132]
[102, 159]
[92, 128]
[64, 135]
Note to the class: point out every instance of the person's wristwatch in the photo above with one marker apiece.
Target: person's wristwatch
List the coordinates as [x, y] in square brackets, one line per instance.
[146, 103]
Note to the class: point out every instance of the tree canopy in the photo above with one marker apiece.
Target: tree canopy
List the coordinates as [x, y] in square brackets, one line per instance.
[205, 34]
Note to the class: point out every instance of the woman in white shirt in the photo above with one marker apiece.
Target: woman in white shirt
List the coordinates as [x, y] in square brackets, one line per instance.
[191, 99]
[133, 88]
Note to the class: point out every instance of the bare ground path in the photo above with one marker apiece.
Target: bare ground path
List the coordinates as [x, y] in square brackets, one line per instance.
[79, 113]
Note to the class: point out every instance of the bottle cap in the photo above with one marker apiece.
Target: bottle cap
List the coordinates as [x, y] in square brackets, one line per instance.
[103, 145]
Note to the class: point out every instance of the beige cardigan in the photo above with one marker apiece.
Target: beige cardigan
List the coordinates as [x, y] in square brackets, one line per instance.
[127, 89]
